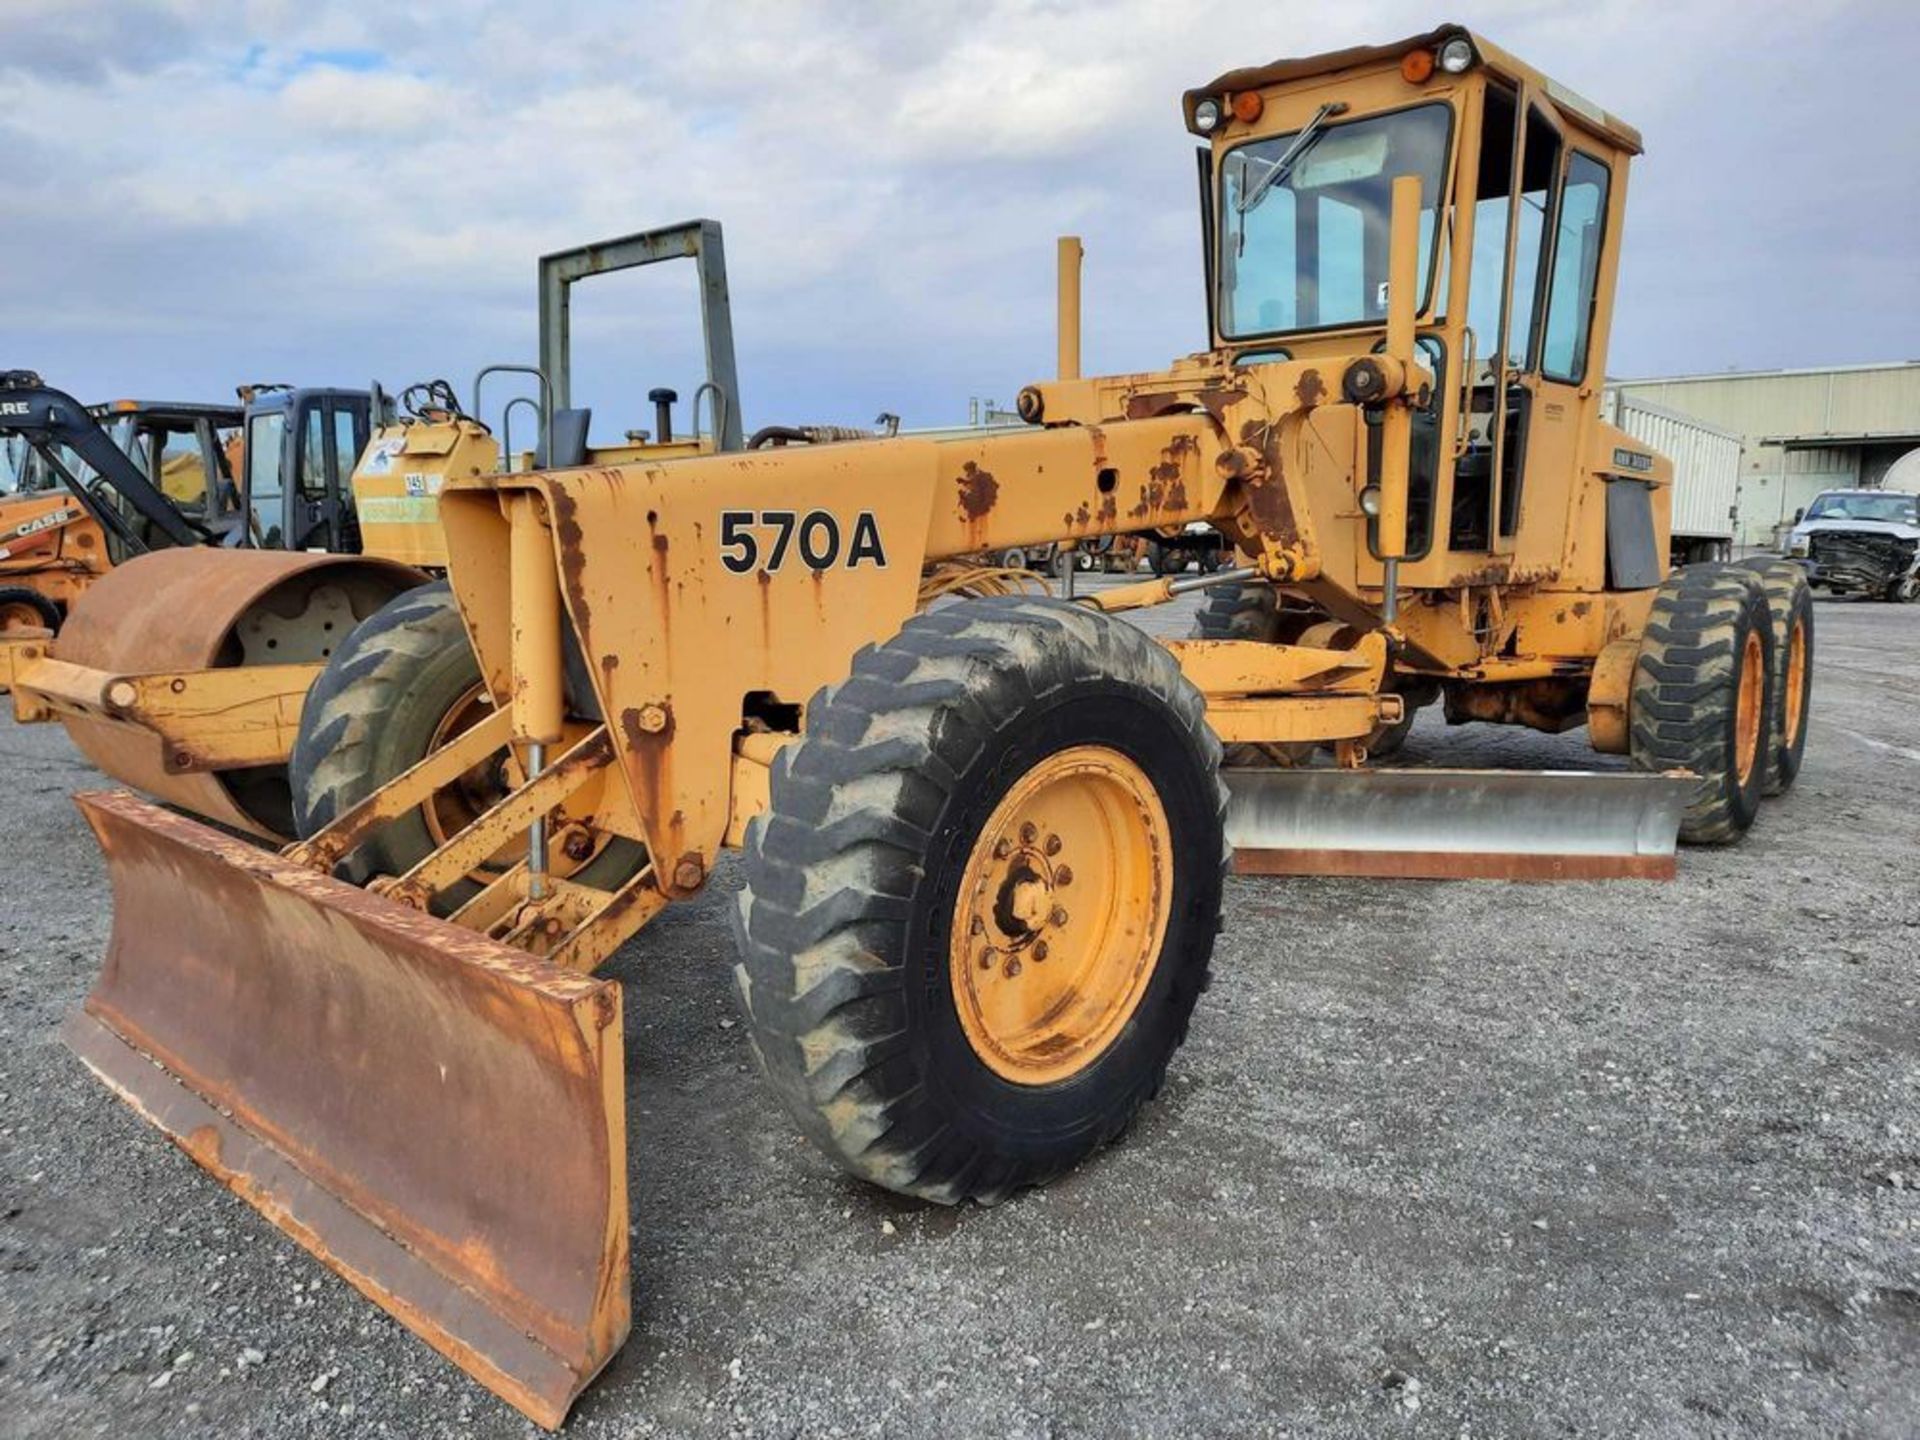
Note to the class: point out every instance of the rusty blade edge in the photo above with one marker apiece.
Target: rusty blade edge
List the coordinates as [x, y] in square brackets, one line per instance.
[454, 1320]
[1452, 865]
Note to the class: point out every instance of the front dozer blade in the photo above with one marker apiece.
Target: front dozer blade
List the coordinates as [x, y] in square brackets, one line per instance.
[436, 1116]
[1456, 824]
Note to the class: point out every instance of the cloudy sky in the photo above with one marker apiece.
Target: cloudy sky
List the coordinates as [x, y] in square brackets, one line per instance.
[198, 192]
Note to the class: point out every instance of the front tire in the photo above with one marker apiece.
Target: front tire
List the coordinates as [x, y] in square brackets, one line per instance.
[396, 688]
[981, 904]
[1702, 695]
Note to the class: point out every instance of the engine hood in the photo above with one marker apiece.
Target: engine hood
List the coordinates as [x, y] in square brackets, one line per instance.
[1895, 529]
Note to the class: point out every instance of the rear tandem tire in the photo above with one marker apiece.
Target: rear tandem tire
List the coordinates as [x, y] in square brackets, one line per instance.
[1790, 608]
[1701, 695]
[374, 713]
[886, 832]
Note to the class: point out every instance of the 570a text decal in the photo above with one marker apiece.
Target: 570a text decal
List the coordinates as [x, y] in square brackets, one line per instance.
[767, 539]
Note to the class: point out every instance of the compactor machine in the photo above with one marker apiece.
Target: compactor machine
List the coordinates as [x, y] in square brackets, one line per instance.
[983, 837]
[184, 672]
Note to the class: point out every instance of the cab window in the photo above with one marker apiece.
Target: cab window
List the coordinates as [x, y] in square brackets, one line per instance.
[1576, 267]
[264, 433]
[1306, 248]
[179, 467]
[313, 455]
[346, 444]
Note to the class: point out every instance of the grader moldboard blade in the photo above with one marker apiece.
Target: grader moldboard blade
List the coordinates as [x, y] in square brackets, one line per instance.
[437, 1117]
[1456, 824]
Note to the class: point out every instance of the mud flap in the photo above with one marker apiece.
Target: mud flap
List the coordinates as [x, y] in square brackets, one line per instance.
[436, 1116]
[1456, 824]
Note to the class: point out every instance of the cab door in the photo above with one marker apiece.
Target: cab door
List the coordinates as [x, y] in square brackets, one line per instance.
[1566, 378]
[1526, 429]
[333, 431]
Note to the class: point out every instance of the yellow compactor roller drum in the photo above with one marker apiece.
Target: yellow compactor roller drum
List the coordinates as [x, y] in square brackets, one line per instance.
[198, 610]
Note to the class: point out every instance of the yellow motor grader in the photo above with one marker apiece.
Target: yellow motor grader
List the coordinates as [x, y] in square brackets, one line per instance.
[983, 839]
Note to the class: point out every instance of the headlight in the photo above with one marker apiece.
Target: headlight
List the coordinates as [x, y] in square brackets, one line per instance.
[1206, 116]
[1370, 502]
[1797, 545]
[1456, 56]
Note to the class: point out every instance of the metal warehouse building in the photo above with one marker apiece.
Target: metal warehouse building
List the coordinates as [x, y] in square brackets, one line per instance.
[1804, 430]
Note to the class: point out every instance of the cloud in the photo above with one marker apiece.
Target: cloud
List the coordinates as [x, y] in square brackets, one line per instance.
[330, 192]
[359, 101]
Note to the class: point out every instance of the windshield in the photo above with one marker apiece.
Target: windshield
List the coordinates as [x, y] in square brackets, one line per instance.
[13, 465]
[1894, 509]
[1311, 251]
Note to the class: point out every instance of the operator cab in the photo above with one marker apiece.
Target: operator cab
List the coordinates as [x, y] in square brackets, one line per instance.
[187, 451]
[301, 449]
[1522, 186]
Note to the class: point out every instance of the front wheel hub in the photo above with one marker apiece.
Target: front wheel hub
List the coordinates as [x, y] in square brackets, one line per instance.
[1061, 914]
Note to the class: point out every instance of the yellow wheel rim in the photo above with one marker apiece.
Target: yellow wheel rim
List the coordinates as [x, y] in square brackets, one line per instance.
[20, 616]
[1061, 914]
[1796, 681]
[475, 791]
[1747, 708]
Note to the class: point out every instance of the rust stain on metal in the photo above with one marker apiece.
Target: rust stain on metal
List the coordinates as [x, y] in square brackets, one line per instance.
[978, 491]
[1216, 399]
[1494, 574]
[1151, 407]
[662, 584]
[573, 552]
[1166, 483]
[1262, 476]
[1311, 390]
[1453, 865]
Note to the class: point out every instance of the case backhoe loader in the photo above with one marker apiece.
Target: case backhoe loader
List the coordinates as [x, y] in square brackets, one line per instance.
[983, 840]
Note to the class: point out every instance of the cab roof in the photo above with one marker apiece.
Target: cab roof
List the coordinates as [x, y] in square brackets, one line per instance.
[169, 410]
[1578, 109]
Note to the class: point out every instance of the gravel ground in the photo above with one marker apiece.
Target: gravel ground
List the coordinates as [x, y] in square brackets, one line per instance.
[1439, 1159]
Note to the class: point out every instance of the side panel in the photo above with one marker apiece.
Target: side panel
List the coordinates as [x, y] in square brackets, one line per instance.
[696, 584]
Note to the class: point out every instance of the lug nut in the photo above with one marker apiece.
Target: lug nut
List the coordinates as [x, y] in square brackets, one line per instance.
[1013, 967]
[1002, 848]
[977, 926]
[1028, 831]
[1053, 844]
[1039, 950]
[986, 959]
[1063, 875]
[1059, 916]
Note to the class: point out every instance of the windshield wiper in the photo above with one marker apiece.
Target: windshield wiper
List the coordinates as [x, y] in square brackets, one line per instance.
[1283, 167]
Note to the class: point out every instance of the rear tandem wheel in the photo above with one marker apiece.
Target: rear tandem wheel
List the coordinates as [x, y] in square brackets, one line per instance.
[981, 903]
[1702, 695]
[1790, 608]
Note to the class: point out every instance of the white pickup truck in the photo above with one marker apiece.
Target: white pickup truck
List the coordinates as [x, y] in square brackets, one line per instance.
[1860, 542]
